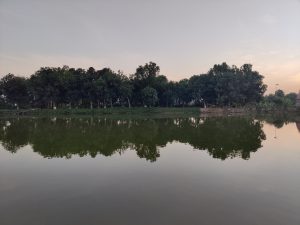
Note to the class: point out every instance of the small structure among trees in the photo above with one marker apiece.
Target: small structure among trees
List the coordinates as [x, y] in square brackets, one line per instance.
[298, 100]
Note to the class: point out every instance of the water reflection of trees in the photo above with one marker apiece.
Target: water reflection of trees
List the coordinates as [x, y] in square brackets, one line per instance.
[221, 137]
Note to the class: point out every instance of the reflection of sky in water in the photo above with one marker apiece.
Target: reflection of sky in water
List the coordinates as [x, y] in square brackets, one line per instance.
[185, 186]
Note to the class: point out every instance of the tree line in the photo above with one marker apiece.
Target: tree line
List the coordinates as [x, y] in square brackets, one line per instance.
[278, 100]
[59, 87]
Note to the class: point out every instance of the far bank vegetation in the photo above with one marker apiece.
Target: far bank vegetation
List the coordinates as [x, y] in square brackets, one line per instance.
[65, 87]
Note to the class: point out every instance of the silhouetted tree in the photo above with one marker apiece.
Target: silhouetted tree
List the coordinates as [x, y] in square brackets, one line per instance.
[14, 91]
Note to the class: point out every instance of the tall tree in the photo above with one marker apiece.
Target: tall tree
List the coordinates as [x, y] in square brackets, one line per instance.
[15, 91]
[149, 96]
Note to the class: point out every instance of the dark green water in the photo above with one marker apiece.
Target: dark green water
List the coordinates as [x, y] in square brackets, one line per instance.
[149, 171]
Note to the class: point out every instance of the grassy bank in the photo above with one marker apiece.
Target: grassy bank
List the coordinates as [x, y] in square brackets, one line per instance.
[122, 112]
[114, 112]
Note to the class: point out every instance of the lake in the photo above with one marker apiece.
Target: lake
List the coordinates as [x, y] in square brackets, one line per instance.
[212, 171]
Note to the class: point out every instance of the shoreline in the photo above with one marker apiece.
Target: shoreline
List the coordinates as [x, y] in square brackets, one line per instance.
[148, 112]
[104, 112]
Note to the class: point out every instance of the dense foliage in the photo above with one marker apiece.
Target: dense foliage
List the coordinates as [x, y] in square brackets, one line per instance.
[62, 87]
[279, 100]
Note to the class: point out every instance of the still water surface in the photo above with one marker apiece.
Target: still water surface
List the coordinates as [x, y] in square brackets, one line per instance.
[149, 171]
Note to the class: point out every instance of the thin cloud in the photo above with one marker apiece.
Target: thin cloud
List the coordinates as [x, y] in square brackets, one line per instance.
[269, 19]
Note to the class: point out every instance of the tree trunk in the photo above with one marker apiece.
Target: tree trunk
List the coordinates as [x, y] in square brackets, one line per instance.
[91, 104]
[129, 106]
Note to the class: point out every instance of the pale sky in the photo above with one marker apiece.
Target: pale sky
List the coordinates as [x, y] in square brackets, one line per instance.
[184, 37]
